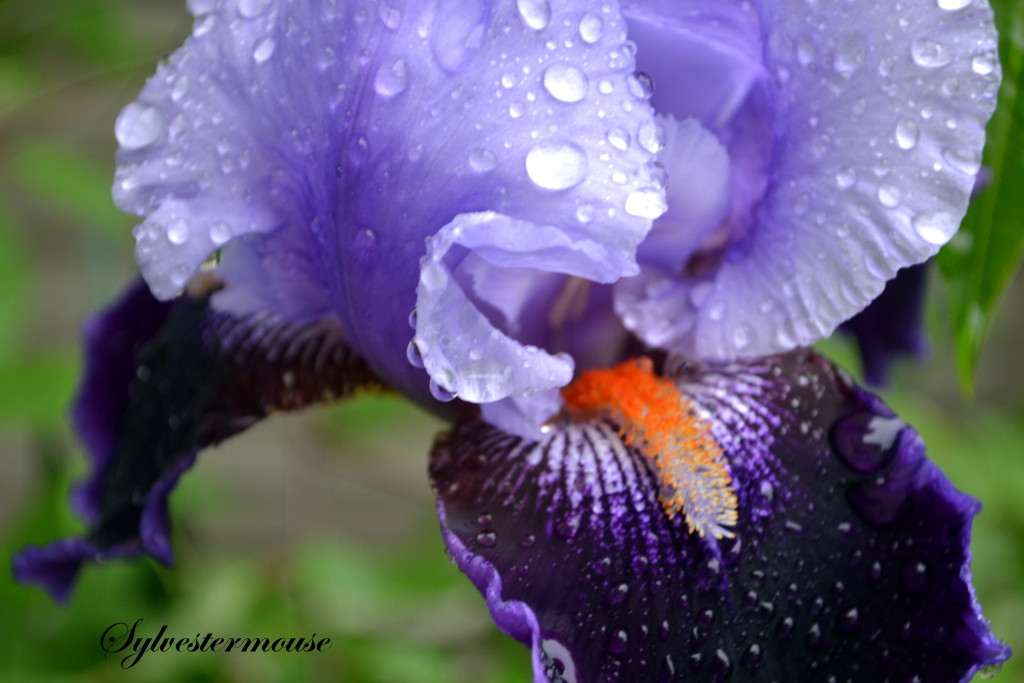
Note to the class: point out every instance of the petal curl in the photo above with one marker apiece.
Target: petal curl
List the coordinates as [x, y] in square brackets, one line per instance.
[162, 381]
[344, 134]
[854, 132]
[850, 557]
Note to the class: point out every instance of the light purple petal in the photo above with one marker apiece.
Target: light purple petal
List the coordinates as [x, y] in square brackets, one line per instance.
[850, 557]
[336, 137]
[854, 132]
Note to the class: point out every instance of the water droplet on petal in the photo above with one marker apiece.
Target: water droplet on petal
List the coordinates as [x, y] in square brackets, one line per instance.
[487, 539]
[565, 82]
[619, 138]
[482, 160]
[556, 165]
[851, 53]
[619, 642]
[138, 125]
[963, 159]
[181, 84]
[929, 53]
[178, 231]
[651, 136]
[646, 202]
[907, 134]
[264, 50]
[391, 78]
[413, 355]
[640, 85]
[846, 177]
[535, 13]
[889, 196]
[935, 227]
[389, 16]
[591, 28]
[252, 8]
[220, 233]
[439, 392]
[951, 5]
[984, 64]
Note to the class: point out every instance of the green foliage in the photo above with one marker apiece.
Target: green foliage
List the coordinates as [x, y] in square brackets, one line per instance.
[979, 263]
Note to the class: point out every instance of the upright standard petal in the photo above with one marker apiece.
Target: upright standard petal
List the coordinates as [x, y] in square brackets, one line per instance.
[847, 558]
[843, 140]
[337, 136]
[164, 380]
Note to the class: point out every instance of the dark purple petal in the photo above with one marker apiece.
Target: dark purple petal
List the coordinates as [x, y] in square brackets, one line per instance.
[162, 382]
[850, 558]
[892, 325]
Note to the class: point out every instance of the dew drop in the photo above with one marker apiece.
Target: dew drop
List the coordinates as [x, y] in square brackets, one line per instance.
[181, 84]
[556, 165]
[390, 17]
[889, 196]
[651, 136]
[936, 227]
[220, 233]
[264, 50]
[846, 177]
[412, 353]
[618, 594]
[929, 53]
[391, 78]
[482, 160]
[178, 231]
[984, 64]
[138, 125]
[535, 13]
[963, 159]
[565, 82]
[741, 336]
[585, 213]
[640, 85]
[487, 539]
[646, 202]
[439, 392]
[591, 28]
[619, 642]
[907, 134]
[619, 138]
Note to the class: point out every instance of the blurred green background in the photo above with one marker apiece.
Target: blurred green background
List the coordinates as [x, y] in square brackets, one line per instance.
[322, 522]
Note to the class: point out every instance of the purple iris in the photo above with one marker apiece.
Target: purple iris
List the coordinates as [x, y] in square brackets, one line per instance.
[475, 202]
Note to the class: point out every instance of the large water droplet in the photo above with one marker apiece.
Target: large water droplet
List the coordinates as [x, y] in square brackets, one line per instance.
[935, 227]
[391, 78]
[846, 177]
[951, 5]
[138, 125]
[963, 159]
[889, 196]
[566, 82]
[220, 232]
[619, 138]
[484, 381]
[640, 85]
[252, 8]
[264, 50]
[619, 643]
[535, 13]
[487, 539]
[984, 64]
[930, 54]
[413, 355]
[178, 231]
[439, 392]
[651, 136]
[556, 165]
[907, 134]
[482, 160]
[646, 202]
[591, 28]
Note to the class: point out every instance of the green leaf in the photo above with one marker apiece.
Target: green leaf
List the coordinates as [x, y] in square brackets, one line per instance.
[980, 261]
[14, 278]
[77, 187]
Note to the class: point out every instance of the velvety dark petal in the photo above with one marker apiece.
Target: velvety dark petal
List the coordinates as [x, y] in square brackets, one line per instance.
[850, 560]
[892, 325]
[162, 382]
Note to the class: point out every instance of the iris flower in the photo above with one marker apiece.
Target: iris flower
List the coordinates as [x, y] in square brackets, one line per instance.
[594, 235]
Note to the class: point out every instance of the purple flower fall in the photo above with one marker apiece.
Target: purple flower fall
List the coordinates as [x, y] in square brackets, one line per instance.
[476, 202]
